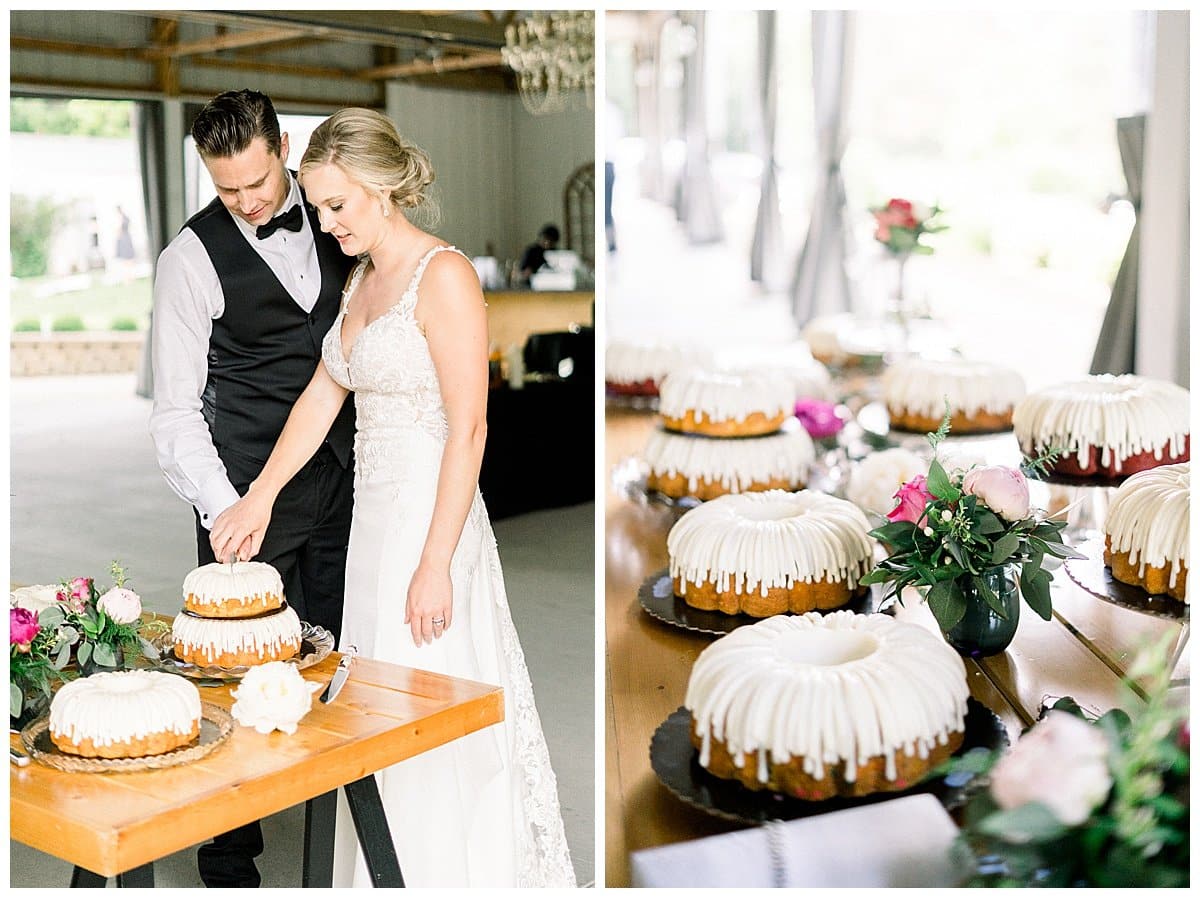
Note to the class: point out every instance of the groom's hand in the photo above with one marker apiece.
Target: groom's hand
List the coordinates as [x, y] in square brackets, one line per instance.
[240, 528]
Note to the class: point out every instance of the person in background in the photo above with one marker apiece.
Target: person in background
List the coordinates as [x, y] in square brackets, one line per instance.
[534, 256]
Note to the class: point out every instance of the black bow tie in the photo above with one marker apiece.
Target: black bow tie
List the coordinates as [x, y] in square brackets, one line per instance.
[291, 220]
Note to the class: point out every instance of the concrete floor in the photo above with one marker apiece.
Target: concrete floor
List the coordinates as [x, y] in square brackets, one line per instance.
[85, 489]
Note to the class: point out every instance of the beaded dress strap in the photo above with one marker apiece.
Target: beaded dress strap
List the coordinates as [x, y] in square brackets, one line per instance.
[409, 299]
[352, 285]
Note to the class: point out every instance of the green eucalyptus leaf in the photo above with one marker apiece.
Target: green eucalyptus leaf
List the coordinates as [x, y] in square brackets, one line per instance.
[84, 654]
[879, 575]
[1059, 550]
[16, 700]
[1033, 822]
[1004, 547]
[993, 600]
[63, 656]
[939, 483]
[1035, 587]
[988, 522]
[148, 649]
[51, 617]
[104, 655]
[898, 533]
[947, 603]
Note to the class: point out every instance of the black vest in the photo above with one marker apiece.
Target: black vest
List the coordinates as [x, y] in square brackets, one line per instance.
[264, 348]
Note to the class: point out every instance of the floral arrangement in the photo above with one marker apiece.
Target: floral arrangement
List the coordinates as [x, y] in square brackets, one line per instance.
[273, 696]
[900, 225]
[1079, 801]
[47, 622]
[949, 529]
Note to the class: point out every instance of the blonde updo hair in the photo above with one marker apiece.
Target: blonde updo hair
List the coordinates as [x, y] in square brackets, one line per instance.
[367, 147]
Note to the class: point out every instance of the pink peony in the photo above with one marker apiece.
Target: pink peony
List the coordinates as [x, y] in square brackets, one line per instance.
[121, 604]
[820, 419]
[1003, 490]
[1062, 762]
[913, 496]
[81, 588]
[23, 628]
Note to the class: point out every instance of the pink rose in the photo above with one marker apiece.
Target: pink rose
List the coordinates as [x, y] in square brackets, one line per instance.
[913, 496]
[121, 604]
[820, 419]
[883, 233]
[1003, 490]
[81, 588]
[1062, 762]
[23, 628]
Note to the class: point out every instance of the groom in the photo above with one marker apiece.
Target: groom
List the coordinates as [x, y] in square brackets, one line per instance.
[242, 299]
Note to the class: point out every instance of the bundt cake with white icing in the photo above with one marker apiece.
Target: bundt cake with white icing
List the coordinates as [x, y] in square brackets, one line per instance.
[638, 368]
[816, 705]
[981, 395]
[1108, 426]
[793, 362]
[706, 468]
[724, 403]
[1146, 531]
[241, 589]
[236, 642]
[124, 714]
[768, 553]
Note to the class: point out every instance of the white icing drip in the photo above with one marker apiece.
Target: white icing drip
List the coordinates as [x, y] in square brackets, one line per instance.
[922, 387]
[243, 582]
[908, 693]
[1122, 416]
[724, 395]
[735, 464]
[761, 541]
[633, 363]
[122, 706]
[215, 637]
[1148, 518]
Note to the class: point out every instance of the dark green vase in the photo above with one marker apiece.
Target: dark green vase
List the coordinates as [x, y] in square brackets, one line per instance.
[982, 631]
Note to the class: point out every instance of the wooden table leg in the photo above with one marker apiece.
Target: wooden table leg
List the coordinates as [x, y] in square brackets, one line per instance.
[320, 814]
[371, 824]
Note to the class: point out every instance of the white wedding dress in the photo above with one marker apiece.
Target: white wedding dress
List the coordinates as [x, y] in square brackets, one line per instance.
[482, 810]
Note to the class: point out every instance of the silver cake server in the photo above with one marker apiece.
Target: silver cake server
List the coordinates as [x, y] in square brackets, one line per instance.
[340, 676]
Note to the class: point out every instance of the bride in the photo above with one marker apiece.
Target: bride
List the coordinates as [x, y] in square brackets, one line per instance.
[423, 582]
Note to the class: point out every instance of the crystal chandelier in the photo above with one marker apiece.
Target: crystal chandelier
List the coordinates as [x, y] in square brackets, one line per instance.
[554, 57]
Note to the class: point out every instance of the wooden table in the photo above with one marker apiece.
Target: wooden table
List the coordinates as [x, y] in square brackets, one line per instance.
[1081, 652]
[115, 824]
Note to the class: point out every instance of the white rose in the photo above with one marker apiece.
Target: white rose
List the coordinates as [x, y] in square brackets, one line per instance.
[121, 604]
[34, 598]
[273, 697]
[1062, 762]
[875, 479]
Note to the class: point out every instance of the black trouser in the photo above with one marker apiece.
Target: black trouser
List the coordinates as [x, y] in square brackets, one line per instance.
[306, 542]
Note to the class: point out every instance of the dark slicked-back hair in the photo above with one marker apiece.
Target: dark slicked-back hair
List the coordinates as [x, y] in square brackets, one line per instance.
[228, 124]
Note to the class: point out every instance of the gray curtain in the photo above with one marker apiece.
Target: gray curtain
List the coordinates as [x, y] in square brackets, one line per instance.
[766, 253]
[697, 206]
[1115, 348]
[149, 124]
[820, 285]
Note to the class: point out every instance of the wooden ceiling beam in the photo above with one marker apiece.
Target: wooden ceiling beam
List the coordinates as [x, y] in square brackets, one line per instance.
[275, 68]
[220, 42]
[424, 67]
[165, 33]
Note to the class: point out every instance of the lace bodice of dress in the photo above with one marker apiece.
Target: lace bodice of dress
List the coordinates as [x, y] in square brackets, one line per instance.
[389, 369]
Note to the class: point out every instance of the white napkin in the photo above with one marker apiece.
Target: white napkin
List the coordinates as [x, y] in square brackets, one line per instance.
[904, 842]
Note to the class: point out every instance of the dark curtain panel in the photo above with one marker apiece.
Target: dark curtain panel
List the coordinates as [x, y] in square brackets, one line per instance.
[152, 156]
[820, 285]
[766, 253]
[1115, 348]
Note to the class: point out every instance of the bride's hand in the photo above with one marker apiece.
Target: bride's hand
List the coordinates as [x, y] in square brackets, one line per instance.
[430, 605]
[240, 528]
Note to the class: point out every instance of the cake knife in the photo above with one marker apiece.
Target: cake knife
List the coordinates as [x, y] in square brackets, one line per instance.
[339, 676]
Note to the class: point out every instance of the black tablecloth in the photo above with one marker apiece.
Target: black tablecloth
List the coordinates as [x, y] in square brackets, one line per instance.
[540, 449]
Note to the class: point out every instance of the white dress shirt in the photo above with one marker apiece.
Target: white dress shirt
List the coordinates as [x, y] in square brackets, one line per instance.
[187, 298]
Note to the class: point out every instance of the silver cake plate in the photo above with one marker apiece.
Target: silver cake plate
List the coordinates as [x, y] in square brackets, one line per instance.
[315, 645]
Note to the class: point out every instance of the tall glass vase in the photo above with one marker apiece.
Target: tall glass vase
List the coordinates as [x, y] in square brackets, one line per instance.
[982, 631]
[899, 303]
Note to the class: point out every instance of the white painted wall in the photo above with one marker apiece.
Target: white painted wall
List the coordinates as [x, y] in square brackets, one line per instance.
[1163, 318]
[500, 171]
